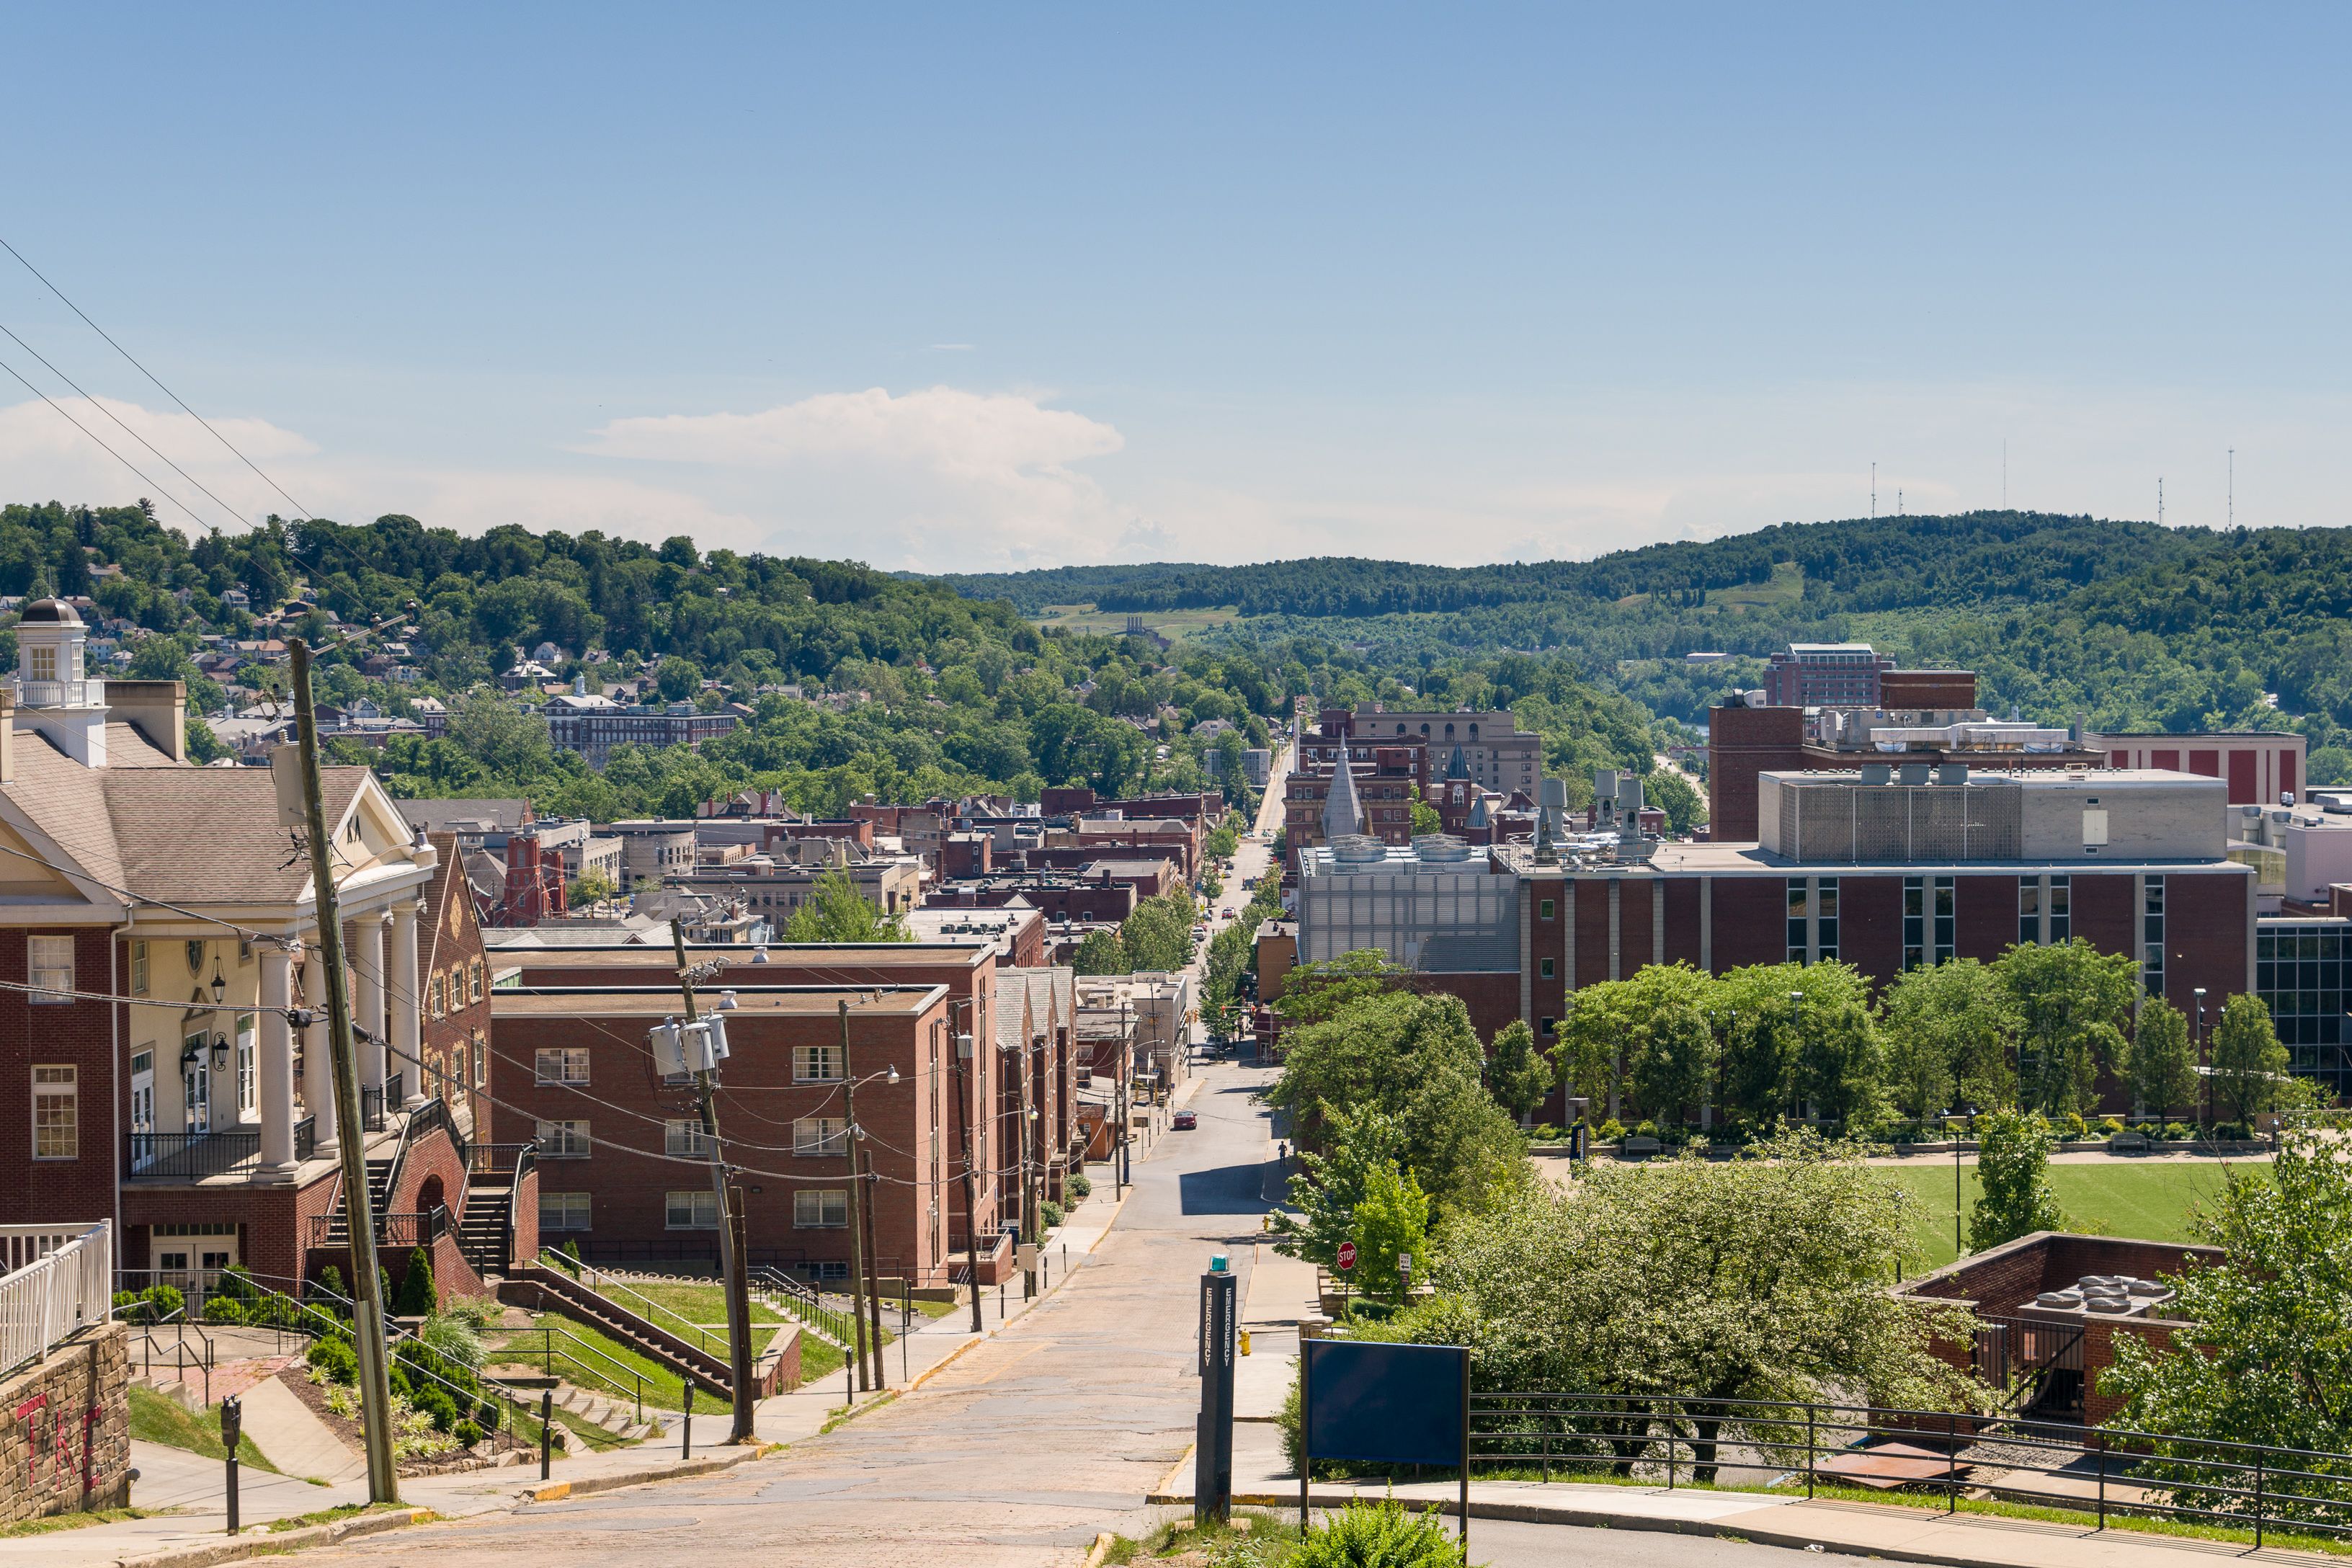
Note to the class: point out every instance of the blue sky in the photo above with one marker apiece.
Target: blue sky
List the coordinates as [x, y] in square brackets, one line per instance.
[1016, 286]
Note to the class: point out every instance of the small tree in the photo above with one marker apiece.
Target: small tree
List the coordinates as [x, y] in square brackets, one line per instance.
[1330, 1186]
[2161, 1066]
[2013, 1178]
[1517, 1076]
[1100, 953]
[1392, 1223]
[2072, 1002]
[2269, 1361]
[837, 911]
[2249, 1063]
[1426, 819]
[1947, 1031]
[592, 888]
[418, 1297]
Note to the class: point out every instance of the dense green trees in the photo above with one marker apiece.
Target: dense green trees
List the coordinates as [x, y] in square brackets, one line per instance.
[2039, 1028]
[1157, 933]
[835, 910]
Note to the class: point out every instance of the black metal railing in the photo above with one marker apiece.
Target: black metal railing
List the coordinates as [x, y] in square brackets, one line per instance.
[2099, 1472]
[421, 1228]
[371, 1117]
[190, 1156]
[497, 1159]
[396, 1090]
[306, 1138]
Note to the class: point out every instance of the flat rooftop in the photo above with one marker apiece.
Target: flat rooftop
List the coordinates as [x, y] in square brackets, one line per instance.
[2118, 780]
[666, 1000]
[744, 961]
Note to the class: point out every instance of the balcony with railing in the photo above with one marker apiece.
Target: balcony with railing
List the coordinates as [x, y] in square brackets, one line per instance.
[56, 693]
[200, 1156]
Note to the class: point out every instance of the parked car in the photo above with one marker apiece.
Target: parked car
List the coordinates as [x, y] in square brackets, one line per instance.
[1226, 914]
[1183, 1122]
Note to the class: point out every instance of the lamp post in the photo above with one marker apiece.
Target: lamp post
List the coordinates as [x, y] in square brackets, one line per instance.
[1965, 1115]
[1796, 1022]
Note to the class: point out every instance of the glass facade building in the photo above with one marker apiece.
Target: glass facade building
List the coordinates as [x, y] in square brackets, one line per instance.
[2299, 971]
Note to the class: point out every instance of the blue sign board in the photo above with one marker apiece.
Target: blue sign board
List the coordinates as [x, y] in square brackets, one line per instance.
[1386, 1404]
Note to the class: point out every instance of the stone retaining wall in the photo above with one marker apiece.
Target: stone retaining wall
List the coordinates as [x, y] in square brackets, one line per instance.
[66, 1444]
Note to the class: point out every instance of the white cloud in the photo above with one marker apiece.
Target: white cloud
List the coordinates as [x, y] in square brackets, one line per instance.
[936, 477]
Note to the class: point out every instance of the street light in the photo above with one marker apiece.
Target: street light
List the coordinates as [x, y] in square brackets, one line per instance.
[2204, 1067]
[1965, 1114]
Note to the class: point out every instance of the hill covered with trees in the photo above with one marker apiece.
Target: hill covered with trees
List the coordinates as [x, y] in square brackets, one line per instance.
[854, 681]
[2130, 624]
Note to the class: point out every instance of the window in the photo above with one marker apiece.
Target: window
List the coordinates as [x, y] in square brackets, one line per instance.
[568, 1064]
[826, 1210]
[817, 1064]
[1825, 918]
[1929, 922]
[57, 1133]
[1799, 944]
[248, 1060]
[1544, 1025]
[697, 1210]
[684, 1137]
[2061, 923]
[41, 662]
[2029, 912]
[563, 1140]
[436, 994]
[820, 1135]
[829, 1268]
[49, 964]
[2151, 922]
[562, 1211]
[481, 1061]
[1544, 907]
[138, 968]
[1543, 967]
[479, 974]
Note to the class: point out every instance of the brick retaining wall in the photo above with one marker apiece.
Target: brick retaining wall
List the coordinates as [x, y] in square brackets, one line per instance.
[66, 1444]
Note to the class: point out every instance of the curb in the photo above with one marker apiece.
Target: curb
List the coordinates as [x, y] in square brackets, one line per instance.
[1099, 1550]
[1598, 1518]
[556, 1492]
[259, 1540]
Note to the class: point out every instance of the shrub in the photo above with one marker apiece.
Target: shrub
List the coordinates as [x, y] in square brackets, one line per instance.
[330, 1279]
[333, 1360]
[1049, 1214]
[467, 1434]
[1080, 1186]
[434, 1401]
[237, 1283]
[1378, 1535]
[2072, 1125]
[418, 1297]
[453, 1338]
[2178, 1129]
[163, 1300]
[2231, 1132]
[2110, 1126]
[224, 1310]
[1545, 1133]
[1608, 1132]
[129, 1302]
[1645, 1130]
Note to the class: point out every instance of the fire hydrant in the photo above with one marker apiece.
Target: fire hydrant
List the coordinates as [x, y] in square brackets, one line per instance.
[1245, 1341]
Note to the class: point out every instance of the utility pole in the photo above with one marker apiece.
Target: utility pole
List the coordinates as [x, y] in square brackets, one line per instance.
[965, 1046]
[367, 1285]
[730, 1256]
[869, 1372]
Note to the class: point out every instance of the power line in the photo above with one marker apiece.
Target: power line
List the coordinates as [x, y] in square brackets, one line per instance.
[110, 451]
[151, 375]
[126, 429]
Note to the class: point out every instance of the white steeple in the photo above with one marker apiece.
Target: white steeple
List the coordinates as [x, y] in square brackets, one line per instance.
[1342, 813]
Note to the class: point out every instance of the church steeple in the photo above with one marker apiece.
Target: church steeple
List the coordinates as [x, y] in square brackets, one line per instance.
[1342, 812]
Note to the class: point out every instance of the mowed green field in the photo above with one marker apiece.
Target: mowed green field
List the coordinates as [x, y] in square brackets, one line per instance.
[2152, 1200]
[1173, 624]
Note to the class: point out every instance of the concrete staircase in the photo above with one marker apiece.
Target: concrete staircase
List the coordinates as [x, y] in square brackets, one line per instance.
[339, 1223]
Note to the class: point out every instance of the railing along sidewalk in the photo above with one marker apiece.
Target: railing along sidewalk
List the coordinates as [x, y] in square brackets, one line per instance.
[60, 1283]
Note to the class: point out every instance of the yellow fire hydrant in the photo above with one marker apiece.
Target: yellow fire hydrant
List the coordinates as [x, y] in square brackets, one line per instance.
[1245, 1341]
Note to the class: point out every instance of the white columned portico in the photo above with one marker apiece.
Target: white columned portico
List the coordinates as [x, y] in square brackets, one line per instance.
[277, 1043]
[401, 1004]
[367, 964]
[317, 1063]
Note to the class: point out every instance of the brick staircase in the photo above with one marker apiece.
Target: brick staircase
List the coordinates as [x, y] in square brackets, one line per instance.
[339, 1223]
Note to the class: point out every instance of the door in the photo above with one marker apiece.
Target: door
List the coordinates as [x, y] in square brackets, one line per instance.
[197, 1084]
[142, 1108]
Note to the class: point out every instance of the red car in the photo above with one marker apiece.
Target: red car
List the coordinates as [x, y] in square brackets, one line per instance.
[1183, 1122]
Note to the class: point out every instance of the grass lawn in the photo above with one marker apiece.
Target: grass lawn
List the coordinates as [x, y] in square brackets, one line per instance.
[156, 1418]
[593, 1367]
[703, 1304]
[2152, 1200]
[1171, 624]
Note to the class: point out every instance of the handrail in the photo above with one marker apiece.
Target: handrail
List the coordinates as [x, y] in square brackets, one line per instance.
[805, 1303]
[2227, 1481]
[575, 1345]
[433, 1113]
[604, 1284]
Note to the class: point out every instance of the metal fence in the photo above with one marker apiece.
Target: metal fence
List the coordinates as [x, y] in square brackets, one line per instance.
[2100, 1472]
[60, 1283]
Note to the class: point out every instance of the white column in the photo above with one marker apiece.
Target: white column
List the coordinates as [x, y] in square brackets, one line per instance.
[402, 997]
[276, 1043]
[367, 964]
[318, 1063]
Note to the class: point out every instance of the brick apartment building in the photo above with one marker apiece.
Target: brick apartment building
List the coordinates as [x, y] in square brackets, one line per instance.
[1496, 752]
[620, 1150]
[971, 974]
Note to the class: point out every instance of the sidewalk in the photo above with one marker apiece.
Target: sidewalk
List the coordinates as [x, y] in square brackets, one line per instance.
[1263, 1479]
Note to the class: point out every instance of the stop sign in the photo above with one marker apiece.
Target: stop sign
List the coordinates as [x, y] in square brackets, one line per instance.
[1347, 1255]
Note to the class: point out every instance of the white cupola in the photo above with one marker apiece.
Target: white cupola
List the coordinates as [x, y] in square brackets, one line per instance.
[53, 694]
